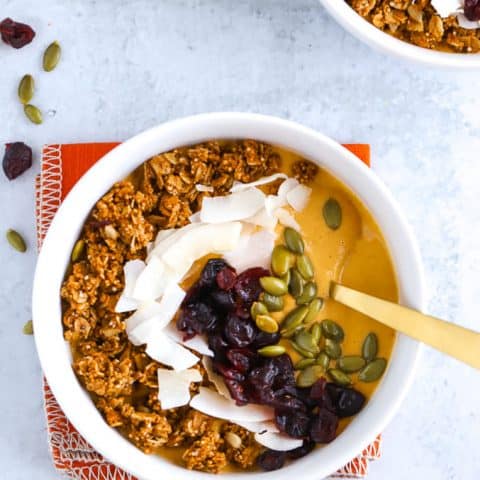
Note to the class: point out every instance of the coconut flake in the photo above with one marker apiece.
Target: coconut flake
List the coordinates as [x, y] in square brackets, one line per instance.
[198, 343]
[174, 387]
[298, 197]
[164, 234]
[212, 403]
[203, 188]
[145, 313]
[253, 251]
[263, 219]
[236, 206]
[278, 441]
[162, 348]
[215, 378]
[286, 219]
[445, 8]
[132, 269]
[151, 283]
[239, 186]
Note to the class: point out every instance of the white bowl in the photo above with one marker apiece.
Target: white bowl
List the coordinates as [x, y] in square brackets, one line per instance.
[368, 33]
[54, 352]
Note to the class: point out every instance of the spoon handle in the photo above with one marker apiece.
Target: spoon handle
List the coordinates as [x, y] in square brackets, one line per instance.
[458, 342]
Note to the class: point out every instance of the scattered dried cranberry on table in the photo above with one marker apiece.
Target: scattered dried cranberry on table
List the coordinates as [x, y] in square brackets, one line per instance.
[16, 34]
[17, 159]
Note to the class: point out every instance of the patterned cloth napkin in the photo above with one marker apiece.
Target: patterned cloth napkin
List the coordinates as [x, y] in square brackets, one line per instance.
[73, 457]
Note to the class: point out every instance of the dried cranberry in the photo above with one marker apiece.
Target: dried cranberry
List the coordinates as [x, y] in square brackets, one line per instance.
[296, 424]
[346, 401]
[262, 339]
[300, 452]
[197, 318]
[237, 391]
[324, 426]
[223, 300]
[218, 344]
[239, 332]
[227, 372]
[208, 276]
[471, 9]
[271, 460]
[241, 359]
[226, 278]
[247, 285]
[16, 34]
[17, 159]
[284, 371]
[288, 402]
[261, 378]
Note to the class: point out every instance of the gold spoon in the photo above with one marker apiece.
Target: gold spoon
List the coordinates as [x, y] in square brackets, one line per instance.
[458, 342]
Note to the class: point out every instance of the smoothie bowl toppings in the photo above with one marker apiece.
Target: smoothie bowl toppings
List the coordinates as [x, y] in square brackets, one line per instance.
[196, 306]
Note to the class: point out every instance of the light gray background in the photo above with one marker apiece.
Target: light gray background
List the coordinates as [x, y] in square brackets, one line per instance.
[131, 64]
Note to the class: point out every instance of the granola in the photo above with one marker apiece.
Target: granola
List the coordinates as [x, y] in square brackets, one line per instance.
[417, 22]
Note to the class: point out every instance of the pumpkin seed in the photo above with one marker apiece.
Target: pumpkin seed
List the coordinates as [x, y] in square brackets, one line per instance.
[233, 439]
[274, 285]
[332, 330]
[305, 267]
[314, 307]
[266, 324]
[258, 308]
[16, 240]
[286, 277]
[78, 250]
[332, 214]
[370, 347]
[26, 89]
[308, 294]
[309, 376]
[323, 360]
[33, 114]
[282, 260]
[293, 240]
[290, 332]
[339, 377]
[28, 328]
[272, 302]
[305, 341]
[332, 348]
[295, 286]
[304, 363]
[301, 351]
[51, 57]
[350, 364]
[295, 317]
[373, 370]
[316, 332]
[271, 350]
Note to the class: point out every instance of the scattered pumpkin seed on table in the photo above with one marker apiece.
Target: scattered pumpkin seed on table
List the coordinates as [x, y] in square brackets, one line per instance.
[332, 214]
[273, 285]
[373, 370]
[33, 113]
[28, 328]
[26, 89]
[266, 323]
[350, 363]
[271, 350]
[16, 241]
[370, 347]
[294, 240]
[272, 302]
[282, 260]
[51, 57]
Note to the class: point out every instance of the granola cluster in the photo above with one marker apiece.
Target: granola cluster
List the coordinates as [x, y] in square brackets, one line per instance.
[120, 377]
[417, 22]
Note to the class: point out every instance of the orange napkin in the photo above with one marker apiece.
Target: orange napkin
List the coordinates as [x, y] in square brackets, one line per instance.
[73, 457]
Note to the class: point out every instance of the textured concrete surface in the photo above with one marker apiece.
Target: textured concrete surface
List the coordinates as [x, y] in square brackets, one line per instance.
[132, 64]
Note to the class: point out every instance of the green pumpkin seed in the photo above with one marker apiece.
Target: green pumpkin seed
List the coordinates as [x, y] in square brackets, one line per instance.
[78, 250]
[309, 376]
[271, 350]
[16, 240]
[51, 57]
[26, 89]
[295, 317]
[294, 240]
[308, 294]
[273, 285]
[301, 351]
[314, 307]
[33, 114]
[304, 363]
[272, 302]
[305, 267]
[282, 260]
[28, 328]
[332, 213]
[266, 324]
[323, 360]
[370, 347]
[350, 364]
[258, 308]
[295, 286]
[332, 348]
[290, 332]
[373, 370]
[316, 332]
[305, 341]
[332, 330]
[286, 277]
[339, 377]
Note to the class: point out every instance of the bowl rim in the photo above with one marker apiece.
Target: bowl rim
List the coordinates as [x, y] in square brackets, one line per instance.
[379, 40]
[55, 355]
